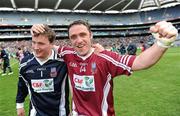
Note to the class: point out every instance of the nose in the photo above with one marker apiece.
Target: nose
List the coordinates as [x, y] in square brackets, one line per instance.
[35, 46]
[79, 39]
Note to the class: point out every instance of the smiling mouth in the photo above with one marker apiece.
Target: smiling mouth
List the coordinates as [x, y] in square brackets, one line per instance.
[37, 51]
[80, 46]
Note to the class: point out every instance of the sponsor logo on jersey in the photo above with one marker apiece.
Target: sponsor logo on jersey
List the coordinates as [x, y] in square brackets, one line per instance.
[84, 83]
[53, 72]
[72, 64]
[42, 85]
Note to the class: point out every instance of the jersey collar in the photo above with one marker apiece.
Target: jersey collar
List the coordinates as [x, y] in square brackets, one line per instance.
[51, 57]
[86, 56]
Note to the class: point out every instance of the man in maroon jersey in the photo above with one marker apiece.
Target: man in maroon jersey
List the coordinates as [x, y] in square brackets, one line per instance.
[91, 75]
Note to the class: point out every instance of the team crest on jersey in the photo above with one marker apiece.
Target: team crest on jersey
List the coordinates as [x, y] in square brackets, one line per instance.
[93, 68]
[43, 85]
[84, 83]
[53, 72]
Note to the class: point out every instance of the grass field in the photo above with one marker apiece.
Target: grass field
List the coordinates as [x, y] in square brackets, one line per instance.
[152, 92]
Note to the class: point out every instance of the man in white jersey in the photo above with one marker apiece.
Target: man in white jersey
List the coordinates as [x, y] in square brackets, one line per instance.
[91, 75]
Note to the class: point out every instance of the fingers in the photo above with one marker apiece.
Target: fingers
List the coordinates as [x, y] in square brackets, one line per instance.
[95, 45]
[153, 29]
[164, 29]
[56, 48]
[37, 28]
[98, 48]
[20, 112]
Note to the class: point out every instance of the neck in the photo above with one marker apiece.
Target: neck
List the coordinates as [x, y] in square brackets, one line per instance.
[90, 51]
[44, 59]
[88, 54]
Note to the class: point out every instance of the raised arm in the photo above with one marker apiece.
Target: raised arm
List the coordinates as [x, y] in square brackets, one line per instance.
[165, 34]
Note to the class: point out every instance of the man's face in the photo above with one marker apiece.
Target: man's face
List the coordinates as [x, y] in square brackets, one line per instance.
[80, 38]
[41, 46]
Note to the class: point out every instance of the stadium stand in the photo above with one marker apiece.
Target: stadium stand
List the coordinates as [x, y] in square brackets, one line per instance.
[15, 24]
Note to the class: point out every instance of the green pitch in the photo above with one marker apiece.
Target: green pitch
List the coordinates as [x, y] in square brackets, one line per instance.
[152, 92]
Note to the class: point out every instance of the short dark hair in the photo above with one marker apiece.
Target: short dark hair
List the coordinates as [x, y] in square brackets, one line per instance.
[80, 22]
[48, 33]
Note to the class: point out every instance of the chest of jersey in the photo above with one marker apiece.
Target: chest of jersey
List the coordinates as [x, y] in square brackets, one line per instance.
[85, 74]
[44, 78]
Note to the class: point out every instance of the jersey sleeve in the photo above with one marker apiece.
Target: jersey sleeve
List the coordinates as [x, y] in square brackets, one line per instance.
[119, 64]
[22, 91]
[63, 51]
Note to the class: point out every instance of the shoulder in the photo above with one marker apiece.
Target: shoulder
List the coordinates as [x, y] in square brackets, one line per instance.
[65, 50]
[26, 60]
[108, 55]
[114, 57]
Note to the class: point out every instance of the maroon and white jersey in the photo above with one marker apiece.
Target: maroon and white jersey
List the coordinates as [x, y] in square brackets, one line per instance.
[92, 80]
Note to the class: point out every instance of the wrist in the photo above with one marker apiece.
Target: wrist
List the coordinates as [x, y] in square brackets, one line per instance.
[164, 45]
[19, 105]
[164, 42]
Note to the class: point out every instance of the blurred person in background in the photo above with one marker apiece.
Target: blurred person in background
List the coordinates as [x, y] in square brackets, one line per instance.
[122, 49]
[114, 48]
[142, 46]
[5, 61]
[1, 65]
[131, 48]
[91, 75]
[19, 54]
[26, 52]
